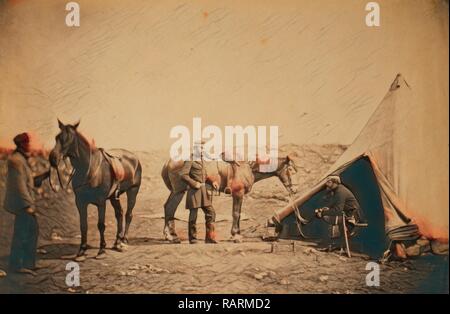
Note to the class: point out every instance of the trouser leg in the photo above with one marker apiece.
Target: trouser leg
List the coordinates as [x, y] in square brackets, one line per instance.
[17, 252]
[335, 233]
[192, 225]
[30, 244]
[210, 218]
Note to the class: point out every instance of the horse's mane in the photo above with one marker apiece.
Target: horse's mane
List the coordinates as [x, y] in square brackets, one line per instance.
[91, 144]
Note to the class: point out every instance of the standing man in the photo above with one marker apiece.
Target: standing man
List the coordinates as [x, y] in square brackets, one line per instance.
[20, 202]
[198, 196]
[340, 203]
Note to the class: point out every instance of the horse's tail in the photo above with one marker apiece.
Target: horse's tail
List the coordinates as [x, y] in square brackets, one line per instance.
[165, 176]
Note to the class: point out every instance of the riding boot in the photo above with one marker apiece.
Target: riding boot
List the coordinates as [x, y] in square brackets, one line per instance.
[210, 233]
[192, 225]
[170, 233]
[192, 232]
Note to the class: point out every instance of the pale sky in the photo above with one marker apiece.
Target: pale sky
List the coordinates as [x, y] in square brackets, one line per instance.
[136, 68]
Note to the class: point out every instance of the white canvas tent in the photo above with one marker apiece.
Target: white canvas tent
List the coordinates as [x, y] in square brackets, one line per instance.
[405, 163]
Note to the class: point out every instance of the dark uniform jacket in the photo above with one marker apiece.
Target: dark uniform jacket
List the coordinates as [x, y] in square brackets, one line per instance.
[19, 184]
[192, 172]
[341, 200]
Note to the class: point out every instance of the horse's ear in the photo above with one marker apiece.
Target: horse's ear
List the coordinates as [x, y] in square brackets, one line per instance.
[60, 124]
[76, 125]
[288, 159]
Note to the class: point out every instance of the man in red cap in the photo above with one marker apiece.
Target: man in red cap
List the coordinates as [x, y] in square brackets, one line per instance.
[20, 202]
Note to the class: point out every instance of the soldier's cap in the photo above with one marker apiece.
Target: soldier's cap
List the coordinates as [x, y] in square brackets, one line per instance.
[21, 139]
[335, 179]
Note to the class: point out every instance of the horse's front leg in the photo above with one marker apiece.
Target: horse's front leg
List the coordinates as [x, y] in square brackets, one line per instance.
[82, 210]
[101, 228]
[235, 229]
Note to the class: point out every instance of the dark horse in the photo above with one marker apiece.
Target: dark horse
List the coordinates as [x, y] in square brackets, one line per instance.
[94, 182]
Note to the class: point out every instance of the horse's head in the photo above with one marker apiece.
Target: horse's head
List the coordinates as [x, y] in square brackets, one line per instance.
[66, 143]
[286, 169]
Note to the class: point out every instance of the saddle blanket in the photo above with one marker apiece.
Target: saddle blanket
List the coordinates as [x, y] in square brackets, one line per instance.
[117, 167]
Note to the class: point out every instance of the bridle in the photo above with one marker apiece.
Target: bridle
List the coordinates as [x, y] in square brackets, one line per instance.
[77, 155]
[298, 217]
[287, 182]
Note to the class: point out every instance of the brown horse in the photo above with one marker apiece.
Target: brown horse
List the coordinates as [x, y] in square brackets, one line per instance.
[95, 180]
[233, 178]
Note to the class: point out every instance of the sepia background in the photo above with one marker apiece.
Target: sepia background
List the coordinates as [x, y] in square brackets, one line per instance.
[136, 68]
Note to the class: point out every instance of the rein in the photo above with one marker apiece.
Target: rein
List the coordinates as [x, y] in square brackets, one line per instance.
[299, 220]
[74, 171]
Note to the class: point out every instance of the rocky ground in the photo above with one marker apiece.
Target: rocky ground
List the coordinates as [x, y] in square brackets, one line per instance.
[150, 265]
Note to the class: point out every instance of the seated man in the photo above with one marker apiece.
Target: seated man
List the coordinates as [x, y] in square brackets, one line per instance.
[340, 203]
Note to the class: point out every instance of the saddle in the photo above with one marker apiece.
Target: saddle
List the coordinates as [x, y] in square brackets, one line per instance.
[116, 165]
[118, 172]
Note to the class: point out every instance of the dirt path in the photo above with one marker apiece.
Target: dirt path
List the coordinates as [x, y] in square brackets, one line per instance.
[150, 265]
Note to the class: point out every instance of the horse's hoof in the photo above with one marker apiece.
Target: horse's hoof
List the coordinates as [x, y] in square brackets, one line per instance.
[118, 247]
[124, 241]
[173, 240]
[237, 238]
[101, 254]
[80, 258]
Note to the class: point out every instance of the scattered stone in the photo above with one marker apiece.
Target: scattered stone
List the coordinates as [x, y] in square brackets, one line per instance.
[323, 278]
[151, 269]
[71, 290]
[2, 273]
[284, 282]
[41, 251]
[423, 242]
[439, 248]
[134, 267]
[413, 250]
[260, 276]
[309, 251]
[160, 271]
[344, 259]
[271, 274]
[242, 253]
